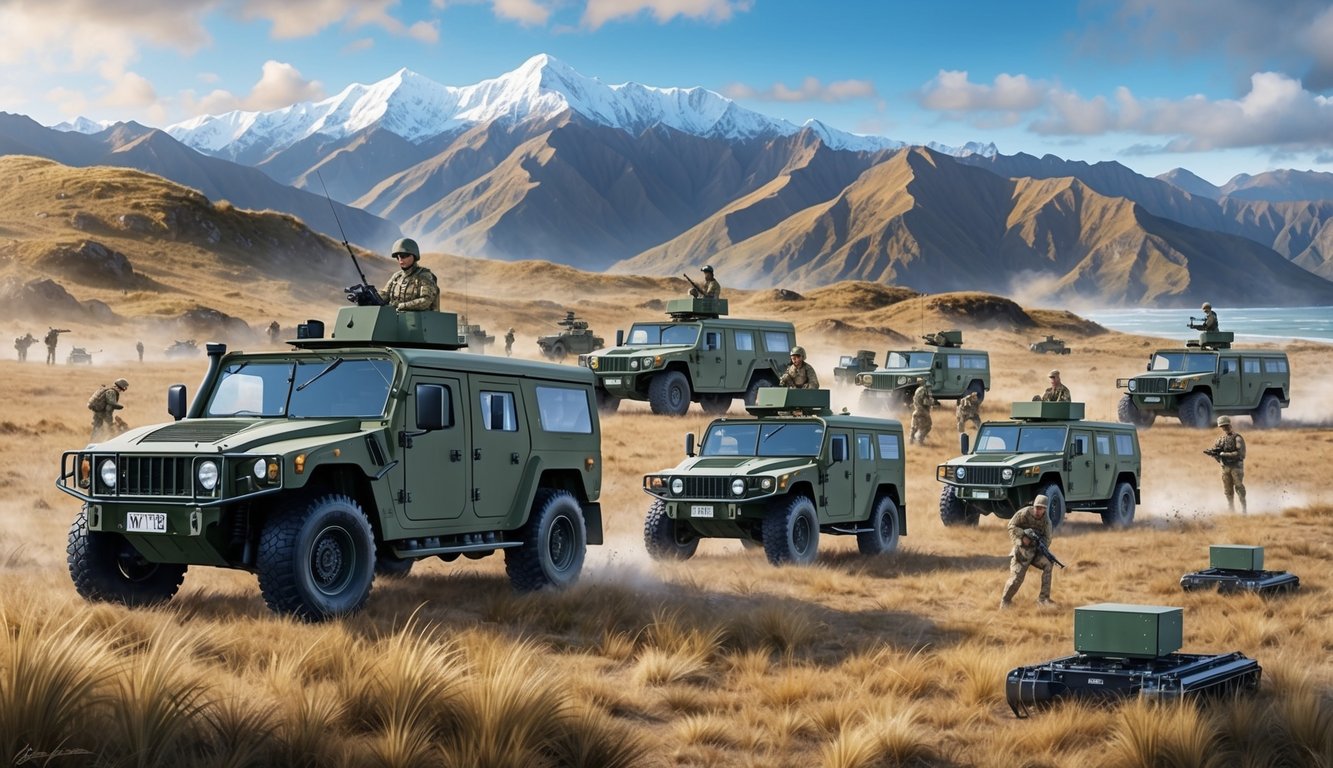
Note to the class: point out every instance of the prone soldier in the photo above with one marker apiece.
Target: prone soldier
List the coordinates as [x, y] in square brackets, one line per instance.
[104, 403]
[1030, 531]
[800, 374]
[1229, 451]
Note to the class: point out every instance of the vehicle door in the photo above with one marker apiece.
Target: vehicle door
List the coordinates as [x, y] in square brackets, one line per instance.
[838, 497]
[1103, 466]
[711, 372]
[863, 474]
[742, 356]
[951, 378]
[435, 472]
[501, 444]
[1079, 478]
[1227, 389]
[777, 349]
[1251, 381]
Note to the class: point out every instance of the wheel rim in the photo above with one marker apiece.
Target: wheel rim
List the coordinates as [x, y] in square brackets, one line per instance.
[132, 566]
[676, 395]
[1126, 506]
[886, 526]
[331, 560]
[800, 535]
[560, 543]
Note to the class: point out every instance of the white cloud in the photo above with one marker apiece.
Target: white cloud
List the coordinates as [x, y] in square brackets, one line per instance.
[951, 91]
[810, 89]
[131, 91]
[358, 45]
[213, 103]
[70, 103]
[525, 12]
[599, 12]
[280, 85]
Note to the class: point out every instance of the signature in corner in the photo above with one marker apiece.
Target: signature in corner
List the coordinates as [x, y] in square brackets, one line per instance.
[30, 755]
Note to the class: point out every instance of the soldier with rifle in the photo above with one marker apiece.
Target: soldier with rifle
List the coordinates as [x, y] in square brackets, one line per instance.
[1030, 531]
[1229, 451]
[413, 287]
[22, 343]
[1208, 322]
[711, 289]
[52, 339]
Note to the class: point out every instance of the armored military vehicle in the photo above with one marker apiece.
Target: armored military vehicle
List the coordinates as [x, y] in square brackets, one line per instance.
[474, 336]
[575, 339]
[698, 355]
[950, 371]
[1049, 344]
[80, 356]
[844, 375]
[1206, 379]
[179, 348]
[1045, 448]
[788, 472]
[319, 466]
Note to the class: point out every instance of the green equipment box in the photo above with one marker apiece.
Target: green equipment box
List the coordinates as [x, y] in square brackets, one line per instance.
[1235, 557]
[1127, 631]
[1037, 409]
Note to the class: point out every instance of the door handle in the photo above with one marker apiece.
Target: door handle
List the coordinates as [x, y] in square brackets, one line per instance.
[513, 457]
[476, 454]
[455, 455]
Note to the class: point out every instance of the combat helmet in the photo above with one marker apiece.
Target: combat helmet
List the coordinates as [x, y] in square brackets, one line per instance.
[1223, 421]
[122, 384]
[1206, 306]
[797, 351]
[405, 245]
[708, 268]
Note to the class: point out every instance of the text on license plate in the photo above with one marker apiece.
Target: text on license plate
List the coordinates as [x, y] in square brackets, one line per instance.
[981, 494]
[146, 522]
[613, 382]
[1152, 399]
[701, 510]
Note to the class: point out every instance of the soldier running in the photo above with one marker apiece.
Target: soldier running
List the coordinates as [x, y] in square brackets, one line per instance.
[922, 402]
[1229, 450]
[969, 410]
[1029, 522]
[104, 403]
[413, 287]
[800, 374]
[1057, 392]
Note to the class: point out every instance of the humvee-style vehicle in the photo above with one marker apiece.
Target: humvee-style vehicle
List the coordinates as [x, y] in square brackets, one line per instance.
[179, 348]
[319, 466]
[698, 355]
[1206, 379]
[474, 336]
[80, 356]
[789, 472]
[1049, 344]
[1045, 448]
[575, 339]
[844, 375]
[950, 371]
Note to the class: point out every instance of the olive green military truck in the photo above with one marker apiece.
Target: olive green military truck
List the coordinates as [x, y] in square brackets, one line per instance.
[950, 371]
[320, 466]
[1206, 379]
[1051, 345]
[849, 366]
[789, 472]
[1045, 448]
[576, 338]
[698, 355]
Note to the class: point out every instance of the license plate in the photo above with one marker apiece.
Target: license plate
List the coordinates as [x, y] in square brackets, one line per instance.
[701, 510]
[981, 494]
[1152, 399]
[613, 382]
[146, 522]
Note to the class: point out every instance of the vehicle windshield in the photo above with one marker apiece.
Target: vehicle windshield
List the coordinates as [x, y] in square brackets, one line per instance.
[1187, 362]
[655, 334]
[846, 361]
[899, 360]
[312, 388]
[775, 439]
[1011, 438]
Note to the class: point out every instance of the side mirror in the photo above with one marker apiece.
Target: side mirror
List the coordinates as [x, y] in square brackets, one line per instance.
[689, 444]
[432, 400]
[838, 451]
[176, 401]
[620, 337]
[962, 443]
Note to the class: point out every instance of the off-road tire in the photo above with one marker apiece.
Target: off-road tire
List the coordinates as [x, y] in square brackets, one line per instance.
[882, 538]
[317, 560]
[607, 403]
[715, 405]
[1269, 413]
[1065, 351]
[955, 511]
[106, 568]
[1055, 505]
[665, 538]
[669, 393]
[752, 391]
[1196, 410]
[555, 542]
[1120, 509]
[791, 531]
[390, 566]
[558, 351]
[977, 388]
[1129, 413]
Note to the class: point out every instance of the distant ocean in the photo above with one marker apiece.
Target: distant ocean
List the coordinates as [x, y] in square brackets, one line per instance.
[1252, 323]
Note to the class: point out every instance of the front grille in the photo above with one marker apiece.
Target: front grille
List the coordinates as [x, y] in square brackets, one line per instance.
[1153, 386]
[608, 364]
[707, 487]
[155, 476]
[979, 475]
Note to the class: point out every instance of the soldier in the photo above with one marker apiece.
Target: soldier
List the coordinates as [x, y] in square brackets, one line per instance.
[104, 403]
[800, 374]
[22, 343]
[1229, 450]
[52, 339]
[1057, 392]
[509, 343]
[1029, 523]
[922, 402]
[1209, 318]
[711, 289]
[413, 287]
[274, 332]
[969, 409]
[138, 347]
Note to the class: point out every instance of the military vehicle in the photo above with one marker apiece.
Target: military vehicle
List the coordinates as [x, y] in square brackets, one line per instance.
[844, 375]
[1049, 344]
[1045, 448]
[698, 355]
[950, 371]
[318, 466]
[1205, 379]
[1123, 651]
[575, 339]
[80, 356]
[179, 348]
[789, 472]
[473, 336]
[1237, 568]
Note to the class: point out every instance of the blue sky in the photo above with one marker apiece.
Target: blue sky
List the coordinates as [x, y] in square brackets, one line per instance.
[1217, 86]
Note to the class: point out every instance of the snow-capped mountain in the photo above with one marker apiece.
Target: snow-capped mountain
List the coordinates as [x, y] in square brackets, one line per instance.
[83, 125]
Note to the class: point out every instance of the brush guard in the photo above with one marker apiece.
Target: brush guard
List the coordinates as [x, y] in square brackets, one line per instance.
[1227, 580]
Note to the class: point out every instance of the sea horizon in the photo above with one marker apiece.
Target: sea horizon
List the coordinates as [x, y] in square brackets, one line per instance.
[1258, 324]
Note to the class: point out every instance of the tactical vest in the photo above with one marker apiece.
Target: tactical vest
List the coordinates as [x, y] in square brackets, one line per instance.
[98, 400]
[1227, 444]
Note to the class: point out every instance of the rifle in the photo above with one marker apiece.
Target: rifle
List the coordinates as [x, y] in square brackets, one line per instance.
[362, 294]
[695, 290]
[1195, 324]
[1041, 547]
[1216, 453]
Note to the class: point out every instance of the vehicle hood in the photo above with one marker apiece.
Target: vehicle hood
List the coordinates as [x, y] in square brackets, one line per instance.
[1006, 459]
[670, 349]
[729, 466]
[1173, 374]
[228, 435]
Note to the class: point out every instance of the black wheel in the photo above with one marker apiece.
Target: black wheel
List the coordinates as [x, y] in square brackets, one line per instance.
[791, 532]
[390, 566]
[1066, 351]
[715, 404]
[752, 391]
[669, 393]
[606, 402]
[1055, 504]
[317, 561]
[954, 511]
[1269, 413]
[1129, 413]
[555, 541]
[1196, 410]
[1120, 511]
[107, 568]
[975, 388]
[882, 537]
[668, 539]
[558, 351]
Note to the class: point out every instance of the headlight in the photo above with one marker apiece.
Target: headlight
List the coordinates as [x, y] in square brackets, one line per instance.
[108, 472]
[1132, 385]
[738, 487]
[646, 363]
[677, 486]
[959, 473]
[902, 379]
[593, 363]
[261, 469]
[208, 475]
[1177, 384]
[766, 483]
[1007, 474]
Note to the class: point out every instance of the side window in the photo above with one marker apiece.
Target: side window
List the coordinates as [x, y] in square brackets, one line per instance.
[776, 341]
[981, 362]
[864, 450]
[1124, 445]
[1103, 445]
[1227, 365]
[1081, 443]
[1250, 365]
[712, 340]
[1275, 365]
[836, 439]
[497, 412]
[562, 409]
[954, 361]
[888, 447]
[744, 341]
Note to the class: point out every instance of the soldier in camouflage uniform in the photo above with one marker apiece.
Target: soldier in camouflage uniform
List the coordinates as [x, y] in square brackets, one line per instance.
[22, 343]
[1057, 392]
[922, 402]
[969, 409]
[509, 343]
[1229, 450]
[274, 332]
[1209, 318]
[52, 339]
[1028, 523]
[711, 289]
[413, 287]
[104, 403]
[800, 374]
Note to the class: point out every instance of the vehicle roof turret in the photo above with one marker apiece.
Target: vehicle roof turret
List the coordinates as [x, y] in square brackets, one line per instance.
[382, 326]
[695, 309]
